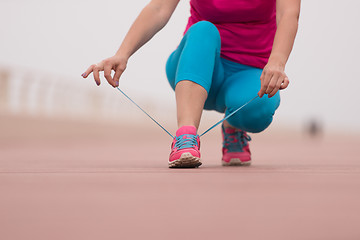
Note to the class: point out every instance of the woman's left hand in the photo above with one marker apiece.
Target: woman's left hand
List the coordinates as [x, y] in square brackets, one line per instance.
[272, 79]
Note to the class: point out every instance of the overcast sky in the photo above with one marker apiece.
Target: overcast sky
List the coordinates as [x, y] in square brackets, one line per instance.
[64, 37]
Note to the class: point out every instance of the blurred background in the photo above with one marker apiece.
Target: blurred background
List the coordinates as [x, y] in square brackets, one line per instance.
[46, 45]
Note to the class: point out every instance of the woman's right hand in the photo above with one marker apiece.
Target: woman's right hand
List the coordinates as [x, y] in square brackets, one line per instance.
[116, 63]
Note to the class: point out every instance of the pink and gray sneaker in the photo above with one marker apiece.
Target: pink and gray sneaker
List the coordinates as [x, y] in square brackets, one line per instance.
[185, 149]
[236, 151]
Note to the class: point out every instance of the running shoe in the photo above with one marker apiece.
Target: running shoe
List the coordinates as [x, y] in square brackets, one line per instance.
[236, 151]
[185, 149]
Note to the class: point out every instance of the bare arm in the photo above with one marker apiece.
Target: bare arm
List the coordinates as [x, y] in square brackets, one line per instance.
[273, 77]
[150, 21]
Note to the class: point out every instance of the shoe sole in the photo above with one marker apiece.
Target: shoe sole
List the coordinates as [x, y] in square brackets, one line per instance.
[236, 162]
[186, 161]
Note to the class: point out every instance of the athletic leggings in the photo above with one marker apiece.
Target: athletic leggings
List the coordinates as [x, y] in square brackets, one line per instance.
[229, 84]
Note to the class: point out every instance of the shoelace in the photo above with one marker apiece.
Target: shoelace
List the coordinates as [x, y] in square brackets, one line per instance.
[213, 126]
[186, 141]
[236, 141]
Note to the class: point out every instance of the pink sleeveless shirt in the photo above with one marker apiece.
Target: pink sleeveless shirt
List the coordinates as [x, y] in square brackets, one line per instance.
[247, 27]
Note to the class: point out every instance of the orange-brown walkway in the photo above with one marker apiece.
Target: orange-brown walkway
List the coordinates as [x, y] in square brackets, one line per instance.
[61, 180]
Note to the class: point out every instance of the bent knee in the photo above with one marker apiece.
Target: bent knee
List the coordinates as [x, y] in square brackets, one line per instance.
[205, 28]
[253, 123]
[254, 118]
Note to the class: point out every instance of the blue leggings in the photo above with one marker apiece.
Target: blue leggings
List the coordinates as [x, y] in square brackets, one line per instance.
[229, 84]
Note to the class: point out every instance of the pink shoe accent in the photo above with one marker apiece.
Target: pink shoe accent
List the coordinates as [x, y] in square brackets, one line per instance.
[236, 150]
[186, 130]
[185, 148]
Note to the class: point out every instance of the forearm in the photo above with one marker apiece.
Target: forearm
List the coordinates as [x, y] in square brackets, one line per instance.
[284, 38]
[150, 21]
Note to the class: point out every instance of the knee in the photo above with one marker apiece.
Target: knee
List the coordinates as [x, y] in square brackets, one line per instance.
[255, 117]
[253, 123]
[205, 28]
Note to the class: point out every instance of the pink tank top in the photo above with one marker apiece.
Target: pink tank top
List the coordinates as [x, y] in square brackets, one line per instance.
[247, 27]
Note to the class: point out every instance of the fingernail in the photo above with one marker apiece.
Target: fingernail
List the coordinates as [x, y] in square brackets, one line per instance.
[117, 83]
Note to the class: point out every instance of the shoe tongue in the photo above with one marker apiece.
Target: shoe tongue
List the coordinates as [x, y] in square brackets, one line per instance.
[186, 130]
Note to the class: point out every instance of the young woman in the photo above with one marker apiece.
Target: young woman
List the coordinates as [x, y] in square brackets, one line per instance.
[232, 50]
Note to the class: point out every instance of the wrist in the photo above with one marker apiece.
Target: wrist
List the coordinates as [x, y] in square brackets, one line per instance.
[122, 54]
[278, 59]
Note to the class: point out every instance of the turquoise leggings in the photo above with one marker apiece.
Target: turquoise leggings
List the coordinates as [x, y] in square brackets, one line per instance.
[229, 84]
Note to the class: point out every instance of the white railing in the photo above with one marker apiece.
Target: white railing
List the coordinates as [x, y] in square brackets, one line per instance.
[40, 94]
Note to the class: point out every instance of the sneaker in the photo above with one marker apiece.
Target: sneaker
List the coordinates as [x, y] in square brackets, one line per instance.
[185, 149]
[236, 151]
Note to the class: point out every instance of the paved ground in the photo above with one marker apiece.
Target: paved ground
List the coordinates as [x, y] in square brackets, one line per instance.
[62, 180]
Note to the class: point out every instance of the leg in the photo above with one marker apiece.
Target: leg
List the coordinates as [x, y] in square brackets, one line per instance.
[227, 124]
[240, 88]
[191, 69]
[190, 99]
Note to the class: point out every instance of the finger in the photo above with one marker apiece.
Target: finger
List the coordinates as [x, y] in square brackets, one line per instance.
[285, 83]
[272, 83]
[276, 89]
[264, 83]
[88, 71]
[117, 75]
[107, 74]
[261, 91]
[270, 95]
[96, 71]
[262, 74]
